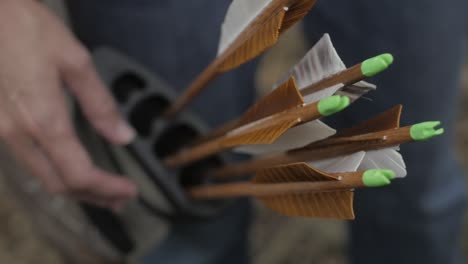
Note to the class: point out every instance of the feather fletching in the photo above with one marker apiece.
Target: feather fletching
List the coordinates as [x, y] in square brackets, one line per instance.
[295, 137]
[240, 14]
[388, 158]
[323, 61]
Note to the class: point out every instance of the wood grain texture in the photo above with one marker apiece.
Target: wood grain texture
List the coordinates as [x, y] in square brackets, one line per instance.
[288, 95]
[263, 134]
[347, 77]
[297, 9]
[324, 149]
[260, 34]
[295, 191]
[227, 190]
[284, 97]
[263, 131]
[335, 204]
[339, 181]
[294, 172]
[266, 35]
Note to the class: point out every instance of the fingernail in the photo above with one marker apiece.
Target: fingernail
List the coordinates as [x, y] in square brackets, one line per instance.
[125, 133]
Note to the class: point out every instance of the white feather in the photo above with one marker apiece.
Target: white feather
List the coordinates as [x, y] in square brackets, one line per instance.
[355, 91]
[389, 159]
[239, 15]
[314, 97]
[295, 137]
[348, 163]
[320, 62]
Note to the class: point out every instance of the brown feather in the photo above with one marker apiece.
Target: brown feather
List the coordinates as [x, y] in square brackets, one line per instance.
[265, 135]
[296, 11]
[334, 204]
[262, 38]
[389, 119]
[280, 99]
[260, 35]
[293, 172]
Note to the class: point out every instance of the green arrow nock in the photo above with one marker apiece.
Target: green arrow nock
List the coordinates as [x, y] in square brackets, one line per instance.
[333, 104]
[426, 130]
[377, 177]
[377, 64]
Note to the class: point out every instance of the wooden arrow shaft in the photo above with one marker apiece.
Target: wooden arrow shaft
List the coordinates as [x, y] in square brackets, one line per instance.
[197, 85]
[219, 63]
[218, 132]
[349, 181]
[324, 149]
[284, 97]
[244, 134]
[347, 77]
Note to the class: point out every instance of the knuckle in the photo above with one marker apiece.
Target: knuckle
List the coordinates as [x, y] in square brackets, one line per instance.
[57, 129]
[48, 126]
[35, 121]
[80, 60]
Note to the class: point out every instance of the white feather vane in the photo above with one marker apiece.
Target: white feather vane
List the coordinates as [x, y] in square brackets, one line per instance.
[323, 61]
[320, 62]
[389, 159]
[348, 163]
[239, 15]
[355, 91]
[295, 137]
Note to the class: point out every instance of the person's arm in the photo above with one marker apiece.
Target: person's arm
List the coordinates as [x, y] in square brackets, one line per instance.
[38, 58]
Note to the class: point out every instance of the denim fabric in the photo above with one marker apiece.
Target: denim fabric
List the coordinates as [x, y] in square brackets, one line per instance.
[416, 220]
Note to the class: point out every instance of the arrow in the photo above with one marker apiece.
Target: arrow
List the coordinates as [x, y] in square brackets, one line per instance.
[320, 74]
[250, 136]
[263, 131]
[250, 27]
[300, 190]
[339, 146]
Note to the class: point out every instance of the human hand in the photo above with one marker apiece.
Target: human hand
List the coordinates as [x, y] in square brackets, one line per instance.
[38, 57]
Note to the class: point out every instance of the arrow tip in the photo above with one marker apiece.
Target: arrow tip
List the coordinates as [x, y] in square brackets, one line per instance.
[378, 177]
[426, 130]
[377, 64]
[333, 104]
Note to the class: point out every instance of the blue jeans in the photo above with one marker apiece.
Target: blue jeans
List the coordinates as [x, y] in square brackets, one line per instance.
[418, 219]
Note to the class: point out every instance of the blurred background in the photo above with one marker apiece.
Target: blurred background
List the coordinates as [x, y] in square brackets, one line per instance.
[274, 239]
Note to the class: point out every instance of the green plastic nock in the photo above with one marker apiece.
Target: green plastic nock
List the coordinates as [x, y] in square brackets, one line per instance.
[333, 104]
[426, 130]
[377, 64]
[377, 177]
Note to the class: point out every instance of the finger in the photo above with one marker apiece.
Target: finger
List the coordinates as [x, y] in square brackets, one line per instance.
[79, 174]
[26, 152]
[36, 162]
[52, 128]
[98, 105]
